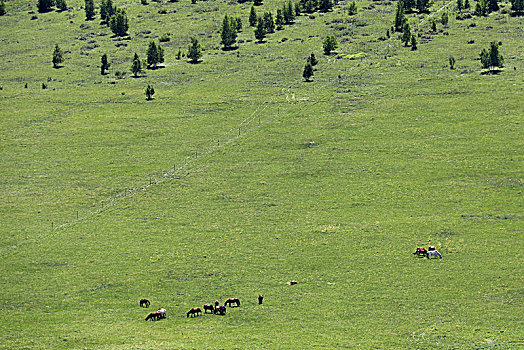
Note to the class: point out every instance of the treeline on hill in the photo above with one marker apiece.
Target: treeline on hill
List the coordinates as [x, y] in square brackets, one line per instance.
[266, 23]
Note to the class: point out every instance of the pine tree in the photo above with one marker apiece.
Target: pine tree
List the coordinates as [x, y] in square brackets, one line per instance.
[239, 24]
[466, 4]
[312, 60]
[257, 2]
[105, 64]
[253, 17]
[269, 23]
[61, 5]
[107, 10]
[329, 44]
[325, 5]
[45, 5]
[2, 8]
[89, 9]
[228, 32]
[352, 10]
[150, 91]
[194, 51]
[460, 5]
[422, 5]
[288, 12]
[58, 56]
[451, 62]
[408, 5]
[400, 17]
[308, 71]
[517, 6]
[413, 42]
[119, 23]
[260, 31]
[493, 5]
[155, 55]
[136, 68]
[279, 19]
[406, 34]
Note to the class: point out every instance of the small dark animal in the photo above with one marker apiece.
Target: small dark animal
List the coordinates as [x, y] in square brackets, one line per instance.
[231, 301]
[154, 316]
[144, 303]
[421, 252]
[194, 312]
[260, 298]
[216, 303]
[220, 310]
[209, 307]
[293, 283]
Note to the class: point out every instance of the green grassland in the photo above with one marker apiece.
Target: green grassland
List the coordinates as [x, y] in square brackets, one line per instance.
[240, 177]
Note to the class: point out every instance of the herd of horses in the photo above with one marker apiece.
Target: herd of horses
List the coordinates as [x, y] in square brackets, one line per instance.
[432, 251]
[216, 309]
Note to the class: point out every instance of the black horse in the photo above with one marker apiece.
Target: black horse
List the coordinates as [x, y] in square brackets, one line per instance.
[194, 312]
[144, 303]
[220, 310]
[209, 307]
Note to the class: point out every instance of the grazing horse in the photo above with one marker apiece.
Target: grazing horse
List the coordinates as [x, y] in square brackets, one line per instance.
[194, 311]
[220, 310]
[421, 252]
[208, 307]
[153, 316]
[162, 312]
[216, 303]
[232, 301]
[434, 253]
[144, 303]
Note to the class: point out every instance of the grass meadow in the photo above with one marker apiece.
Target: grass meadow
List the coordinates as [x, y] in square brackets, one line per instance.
[240, 177]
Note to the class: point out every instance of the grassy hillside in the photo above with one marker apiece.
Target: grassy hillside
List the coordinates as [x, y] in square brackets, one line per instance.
[240, 177]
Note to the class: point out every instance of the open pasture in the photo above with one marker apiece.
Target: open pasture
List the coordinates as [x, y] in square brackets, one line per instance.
[239, 177]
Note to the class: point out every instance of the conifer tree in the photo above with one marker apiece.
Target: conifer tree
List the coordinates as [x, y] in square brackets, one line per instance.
[58, 56]
[413, 42]
[119, 23]
[228, 32]
[400, 17]
[260, 31]
[406, 34]
[493, 6]
[150, 91]
[466, 4]
[105, 64]
[329, 44]
[61, 5]
[253, 17]
[352, 9]
[136, 68]
[279, 19]
[89, 9]
[460, 5]
[45, 5]
[288, 12]
[491, 58]
[308, 71]
[2, 8]
[517, 6]
[269, 23]
[107, 10]
[155, 55]
[194, 51]
[312, 60]
[422, 5]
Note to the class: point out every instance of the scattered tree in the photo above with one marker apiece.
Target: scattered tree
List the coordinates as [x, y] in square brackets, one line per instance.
[325, 5]
[406, 34]
[107, 10]
[491, 58]
[239, 24]
[119, 23]
[400, 17]
[288, 11]
[228, 32]
[105, 64]
[481, 9]
[89, 9]
[260, 31]
[408, 5]
[253, 17]
[444, 19]
[493, 6]
[413, 42]
[279, 20]
[308, 71]
[136, 68]
[194, 51]
[155, 55]
[45, 5]
[257, 2]
[460, 5]
[466, 4]
[433, 26]
[2, 8]
[422, 6]
[451, 62]
[312, 60]
[269, 23]
[58, 56]
[150, 91]
[329, 44]
[61, 5]
[352, 10]
[517, 6]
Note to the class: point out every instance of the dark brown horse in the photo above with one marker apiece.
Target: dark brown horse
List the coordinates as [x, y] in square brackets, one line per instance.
[209, 307]
[231, 301]
[154, 316]
[144, 303]
[194, 312]
[421, 252]
[220, 310]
